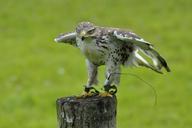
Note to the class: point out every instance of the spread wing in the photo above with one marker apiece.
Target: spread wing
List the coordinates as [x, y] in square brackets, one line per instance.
[142, 45]
[69, 38]
[131, 37]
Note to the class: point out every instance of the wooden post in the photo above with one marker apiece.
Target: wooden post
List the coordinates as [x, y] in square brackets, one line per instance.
[91, 112]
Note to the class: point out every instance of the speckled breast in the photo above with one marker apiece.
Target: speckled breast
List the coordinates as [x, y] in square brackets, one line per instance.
[92, 51]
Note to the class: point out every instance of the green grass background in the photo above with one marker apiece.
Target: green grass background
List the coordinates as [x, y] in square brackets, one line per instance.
[35, 71]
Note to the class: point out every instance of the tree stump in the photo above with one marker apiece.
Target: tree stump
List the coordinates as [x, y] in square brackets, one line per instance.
[91, 112]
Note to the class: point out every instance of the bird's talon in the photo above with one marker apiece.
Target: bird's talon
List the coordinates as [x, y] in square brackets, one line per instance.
[89, 92]
[111, 89]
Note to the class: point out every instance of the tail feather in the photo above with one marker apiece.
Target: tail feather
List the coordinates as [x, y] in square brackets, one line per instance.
[158, 61]
[140, 61]
[164, 63]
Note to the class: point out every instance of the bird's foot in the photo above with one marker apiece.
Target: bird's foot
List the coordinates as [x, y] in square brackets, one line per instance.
[89, 92]
[109, 91]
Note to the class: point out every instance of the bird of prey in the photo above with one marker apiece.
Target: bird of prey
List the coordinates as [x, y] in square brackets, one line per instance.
[112, 47]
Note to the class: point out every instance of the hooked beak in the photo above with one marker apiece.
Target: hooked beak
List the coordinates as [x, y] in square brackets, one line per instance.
[83, 33]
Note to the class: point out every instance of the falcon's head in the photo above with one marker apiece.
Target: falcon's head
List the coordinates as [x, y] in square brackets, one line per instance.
[86, 30]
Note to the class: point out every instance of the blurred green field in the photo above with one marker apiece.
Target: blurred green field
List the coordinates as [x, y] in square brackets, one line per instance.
[35, 71]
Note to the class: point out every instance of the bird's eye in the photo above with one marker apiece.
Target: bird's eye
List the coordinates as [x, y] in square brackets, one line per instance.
[91, 31]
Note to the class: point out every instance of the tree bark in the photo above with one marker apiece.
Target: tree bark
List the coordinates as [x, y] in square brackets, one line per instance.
[91, 112]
